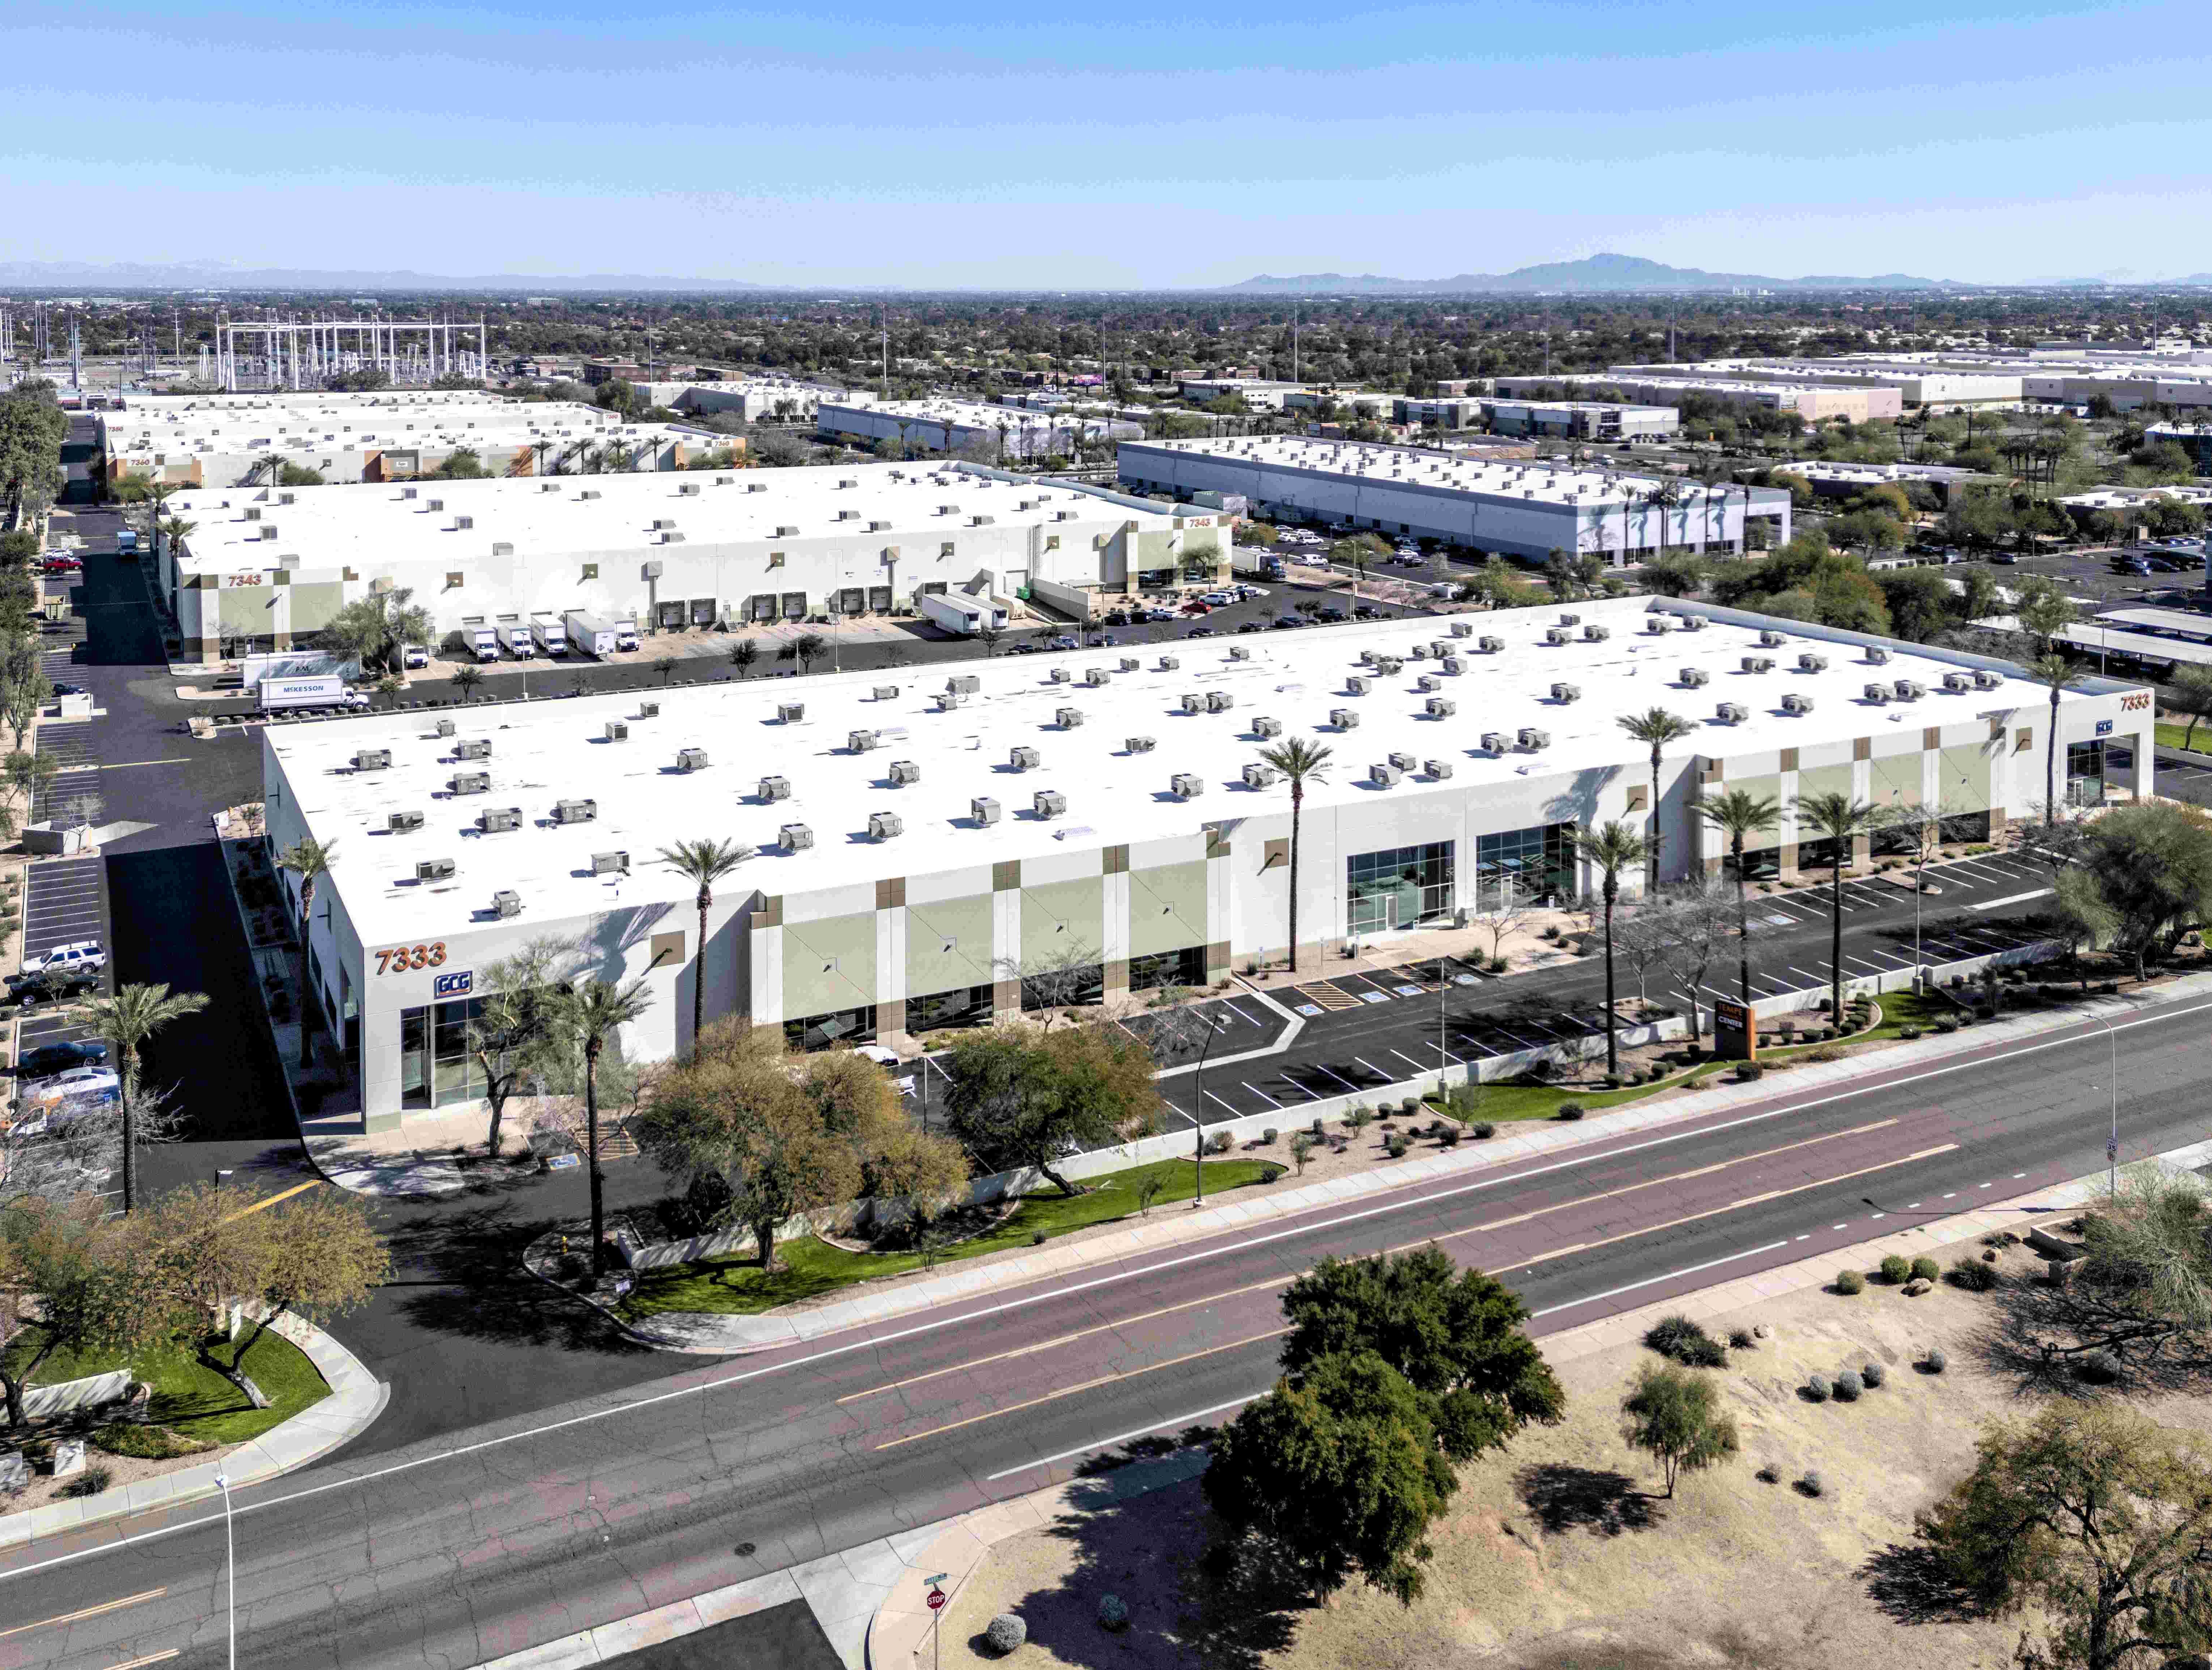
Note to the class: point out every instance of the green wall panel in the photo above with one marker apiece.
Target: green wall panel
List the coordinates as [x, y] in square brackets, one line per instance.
[1057, 915]
[829, 964]
[964, 925]
[1167, 908]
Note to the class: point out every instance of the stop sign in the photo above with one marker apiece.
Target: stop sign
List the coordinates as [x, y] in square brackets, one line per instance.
[936, 1598]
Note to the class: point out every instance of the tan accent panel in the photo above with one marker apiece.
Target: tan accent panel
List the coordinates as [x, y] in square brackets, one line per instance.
[890, 1015]
[1217, 960]
[1117, 975]
[1824, 780]
[1639, 796]
[1932, 737]
[1006, 999]
[1276, 852]
[2023, 738]
[891, 892]
[1862, 748]
[1790, 759]
[1216, 844]
[770, 913]
[1116, 860]
[1005, 874]
[668, 947]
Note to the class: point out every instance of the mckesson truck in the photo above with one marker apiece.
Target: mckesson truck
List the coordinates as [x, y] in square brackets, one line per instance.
[548, 634]
[591, 635]
[1258, 564]
[520, 644]
[328, 691]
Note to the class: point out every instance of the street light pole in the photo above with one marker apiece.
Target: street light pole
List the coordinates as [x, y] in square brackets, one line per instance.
[2112, 1142]
[1197, 1114]
[230, 1565]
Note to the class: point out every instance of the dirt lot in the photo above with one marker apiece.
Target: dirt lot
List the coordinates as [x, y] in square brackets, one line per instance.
[1555, 1558]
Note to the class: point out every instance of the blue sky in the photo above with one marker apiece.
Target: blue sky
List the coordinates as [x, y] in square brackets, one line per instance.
[1138, 144]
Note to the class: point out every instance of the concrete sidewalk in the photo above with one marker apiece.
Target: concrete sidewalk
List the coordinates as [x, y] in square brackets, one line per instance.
[719, 1335]
[356, 1398]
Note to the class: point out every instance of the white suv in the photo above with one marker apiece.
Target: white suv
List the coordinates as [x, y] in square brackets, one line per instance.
[87, 955]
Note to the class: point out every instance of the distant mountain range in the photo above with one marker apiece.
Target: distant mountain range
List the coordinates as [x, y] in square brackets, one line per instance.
[1615, 274]
[213, 275]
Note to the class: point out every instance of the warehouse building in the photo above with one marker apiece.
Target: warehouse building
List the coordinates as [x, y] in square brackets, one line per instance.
[1580, 420]
[266, 569]
[1913, 383]
[1519, 510]
[194, 445]
[1814, 402]
[2195, 439]
[969, 429]
[920, 852]
[753, 399]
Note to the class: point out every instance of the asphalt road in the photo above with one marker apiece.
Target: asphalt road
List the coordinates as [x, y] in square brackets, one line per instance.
[454, 1552]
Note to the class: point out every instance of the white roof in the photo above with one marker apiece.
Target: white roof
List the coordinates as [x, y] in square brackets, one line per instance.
[968, 414]
[548, 751]
[323, 425]
[378, 524]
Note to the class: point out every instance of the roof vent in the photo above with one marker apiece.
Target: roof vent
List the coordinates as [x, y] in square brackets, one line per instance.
[507, 903]
[1130, 664]
[1428, 684]
[796, 837]
[408, 492]
[1878, 694]
[905, 772]
[690, 759]
[687, 489]
[1219, 701]
[499, 819]
[1238, 652]
[983, 811]
[446, 728]
[1438, 769]
[1452, 664]
[1695, 677]
[1758, 663]
[575, 811]
[860, 742]
[617, 863]
[502, 548]
[1383, 775]
[1189, 785]
[401, 823]
[463, 522]
[947, 700]
[433, 870]
[617, 730]
[1534, 738]
[1985, 680]
[1049, 803]
[1809, 663]
[1068, 718]
[1566, 693]
[1570, 620]
[1025, 758]
[472, 782]
[790, 713]
[1494, 742]
[1909, 690]
[1137, 745]
[1258, 774]
[882, 826]
[1794, 702]
[1772, 640]
[1693, 623]
[1596, 634]
[1193, 703]
[1731, 713]
[1344, 718]
[1876, 655]
[1957, 681]
[1558, 635]
[436, 505]
[371, 759]
[1402, 759]
[1265, 726]
[648, 709]
[588, 493]
[474, 747]
[1442, 707]
[1461, 629]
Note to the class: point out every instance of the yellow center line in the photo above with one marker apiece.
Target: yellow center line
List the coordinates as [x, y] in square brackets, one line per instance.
[263, 1205]
[151, 1658]
[89, 1611]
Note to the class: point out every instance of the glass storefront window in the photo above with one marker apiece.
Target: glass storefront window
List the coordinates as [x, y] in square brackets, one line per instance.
[460, 1078]
[414, 1058]
[1524, 866]
[1186, 967]
[2084, 773]
[1064, 988]
[967, 1006]
[819, 1032]
[1397, 887]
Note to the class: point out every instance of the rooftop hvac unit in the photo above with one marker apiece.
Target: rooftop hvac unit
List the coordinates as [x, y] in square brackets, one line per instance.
[1909, 690]
[499, 819]
[1130, 664]
[1428, 683]
[1758, 663]
[1570, 620]
[1360, 683]
[502, 548]
[984, 812]
[1452, 664]
[757, 487]
[882, 826]
[474, 747]
[1024, 759]
[1436, 768]
[860, 742]
[1876, 655]
[1442, 707]
[690, 759]
[786, 531]
[1693, 623]
[1383, 775]
[1533, 739]
[1494, 742]
[796, 837]
[1097, 676]
[1137, 745]
[1417, 652]
[1187, 785]
[1794, 702]
[1878, 694]
[1170, 663]
[401, 823]
[1985, 680]
[1193, 703]
[472, 782]
[949, 699]
[1772, 640]
[1238, 652]
[462, 522]
[371, 759]
[588, 493]
[1461, 629]
[905, 772]
[1566, 693]
[1596, 634]
[408, 492]
[1658, 625]
[1068, 718]
[1809, 663]
[1558, 635]
[886, 692]
[446, 728]
[1343, 718]
[617, 730]
[1061, 675]
[1389, 666]
[790, 713]
[1490, 645]
[1402, 759]
[1049, 803]
[575, 811]
[1957, 681]
[1731, 713]
[1263, 726]
[1258, 775]
[1219, 701]
[687, 489]
[434, 869]
[964, 683]
[617, 863]
[648, 709]
[436, 505]
[507, 903]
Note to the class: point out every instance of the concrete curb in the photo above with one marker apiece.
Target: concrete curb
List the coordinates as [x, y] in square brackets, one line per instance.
[717, 1335]
[356, 1398]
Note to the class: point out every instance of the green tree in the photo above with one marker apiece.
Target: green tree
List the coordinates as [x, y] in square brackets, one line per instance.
[2099, 1517]
[127, 1019]
[1921, 606]
[2044, 610]
[809, 647]
[2056, 674]
[375, 630]
[743, 653]
[1674, 1414]
[516, 1033]
[1612, 847]
[702, 862]
[1656, 727]
[1301, 761]
[2189, 690]
[2153, 866]
[462, 464]
[1839, 818]
[85, 1298]
[310, 860]
[1682, 573]
[592, 1014]
[1021, 1096]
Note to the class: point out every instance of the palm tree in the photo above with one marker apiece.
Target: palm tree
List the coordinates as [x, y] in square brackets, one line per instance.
[1663, 496]
[1302, 762]
[743, 653]
[126, 1020]
[1839, 818]
[593, 1011]
[540, 447]
[465, 680]
[1738, 815]
[704, 861]
[1656, 727]
[618, 455]
[2056, 673]
[310, 860]
[1612, 847]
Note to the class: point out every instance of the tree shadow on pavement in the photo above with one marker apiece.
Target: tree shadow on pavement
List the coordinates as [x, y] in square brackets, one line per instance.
[1565, 1498]
[461, 1268]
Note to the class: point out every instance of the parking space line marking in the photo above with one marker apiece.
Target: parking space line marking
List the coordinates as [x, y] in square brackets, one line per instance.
[1235, 1113]
[1258, 1092]
[1372, 1068]
[1417, 1066]
[1323, 1067]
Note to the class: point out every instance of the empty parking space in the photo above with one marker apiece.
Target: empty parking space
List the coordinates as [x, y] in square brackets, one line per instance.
[65, 900]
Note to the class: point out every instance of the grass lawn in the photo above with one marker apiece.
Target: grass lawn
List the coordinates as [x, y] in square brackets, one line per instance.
[194, 1399]
[2169, 736]
[810, 1266]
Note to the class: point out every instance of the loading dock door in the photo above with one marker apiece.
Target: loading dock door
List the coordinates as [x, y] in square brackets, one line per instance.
[850, 601]
[703, 612]
[794, 606]
[761, 606]
[880, 599]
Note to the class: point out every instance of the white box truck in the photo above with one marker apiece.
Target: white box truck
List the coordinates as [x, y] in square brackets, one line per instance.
[328, 691]
[485, 640]
[590, 634]
[520, 644]
[625, 632]
[549, 635]
[958, 612]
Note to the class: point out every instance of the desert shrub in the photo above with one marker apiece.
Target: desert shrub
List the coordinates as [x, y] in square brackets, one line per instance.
[1935, 1362]
[1873, 1374]
[1925, 1268]
[1811, 1485]
[1410, 1106]
[1037, 1238]
[1824, 1052]
[2097, 1369]
[1747, 1070]
[1769, 1474]
[1847, 1387]
[1612, 1081]
[1569, 1110]
[90, 1483]
[1005, 1633]
[145, 1443]
[1896, 1269]
[1267, 1136]
[1947, 1025]
[1740, 1339]
[1360, 1118]
[1973, 1274]
[1482, 1130]
[1705, 1354]
[1677, 1337]
[1395, 1148]
[1816, 1388]
[1220, 1143]
[1449, 1136]
[1850, 1283]
[1113, 1613]
[1908, 1033]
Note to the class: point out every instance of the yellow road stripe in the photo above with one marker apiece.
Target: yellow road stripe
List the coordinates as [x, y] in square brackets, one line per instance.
[263, 1205]
[89, 1611]
[150, 1658]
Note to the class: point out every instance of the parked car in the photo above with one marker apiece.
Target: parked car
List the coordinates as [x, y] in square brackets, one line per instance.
[1060, 641]
[61, 565]
[1220, 599]
[1025, 648]
[1366, 612]
[69, 690]
[1195, 607]
[415, 656]
[50, 986]
[1288, 623]
[1252, 626]
[1251, 591]
[1155, 617]
[51, 1058]
[1201, 631]
[88, 1084]
[1331, 615]
[2004, 558]
[77, 953]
